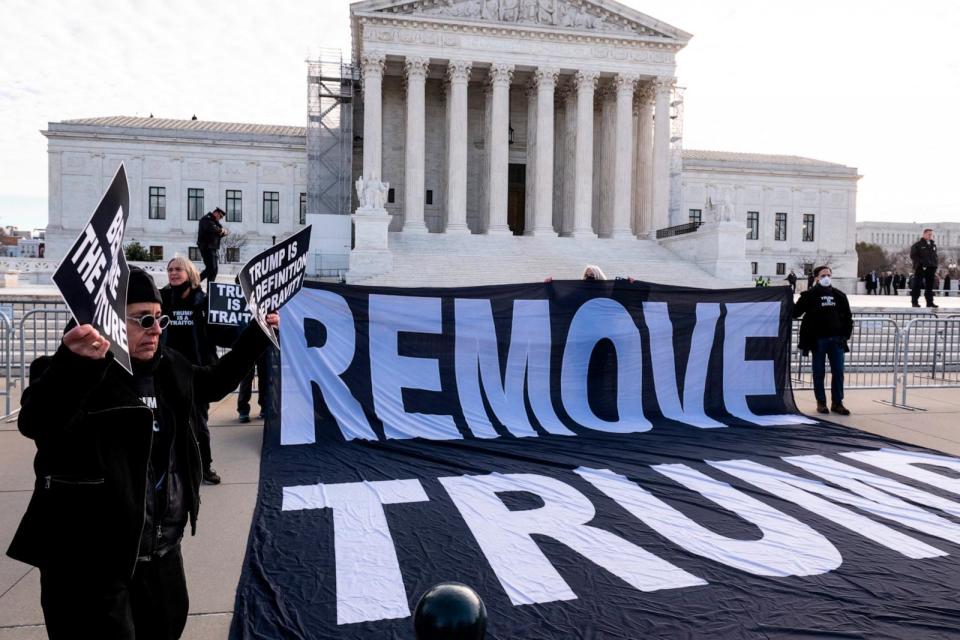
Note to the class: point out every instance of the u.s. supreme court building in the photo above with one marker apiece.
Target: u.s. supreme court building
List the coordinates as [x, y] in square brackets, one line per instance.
[468, 142]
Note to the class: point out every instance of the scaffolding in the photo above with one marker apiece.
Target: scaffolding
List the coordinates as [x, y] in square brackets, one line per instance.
[330, 83]
[676, 157]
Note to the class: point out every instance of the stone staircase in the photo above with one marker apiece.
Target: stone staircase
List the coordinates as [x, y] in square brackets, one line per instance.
[440, 260]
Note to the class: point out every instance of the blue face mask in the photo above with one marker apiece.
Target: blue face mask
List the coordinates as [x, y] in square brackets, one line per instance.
[825, 281]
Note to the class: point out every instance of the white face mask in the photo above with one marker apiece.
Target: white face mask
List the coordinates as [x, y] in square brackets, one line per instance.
[825, 281]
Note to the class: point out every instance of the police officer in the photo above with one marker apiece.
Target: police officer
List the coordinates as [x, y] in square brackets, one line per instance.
[923, 253]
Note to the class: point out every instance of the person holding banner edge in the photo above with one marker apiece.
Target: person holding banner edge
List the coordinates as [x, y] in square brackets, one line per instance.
[209, 233]
[118, 473]
[186, 305]
[825, 329]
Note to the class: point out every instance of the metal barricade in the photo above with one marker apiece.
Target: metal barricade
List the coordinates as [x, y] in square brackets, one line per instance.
[872, 363]
[6, 360]
[931, 355]
[42, 330]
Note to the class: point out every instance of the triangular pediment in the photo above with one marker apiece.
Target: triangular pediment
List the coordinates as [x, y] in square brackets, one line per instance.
[598, 16]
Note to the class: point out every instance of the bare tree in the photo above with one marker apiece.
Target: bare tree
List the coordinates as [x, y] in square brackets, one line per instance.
[232, 241]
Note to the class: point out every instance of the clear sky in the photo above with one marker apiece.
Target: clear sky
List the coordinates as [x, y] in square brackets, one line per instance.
[872, 84]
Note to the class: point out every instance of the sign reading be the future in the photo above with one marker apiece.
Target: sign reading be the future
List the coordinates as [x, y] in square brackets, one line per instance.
[93, 276]
[274, 276]
[596, 459]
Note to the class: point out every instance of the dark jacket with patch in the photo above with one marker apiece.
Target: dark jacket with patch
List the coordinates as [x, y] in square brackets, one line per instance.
[826, 313]
[94, 435]
[209, 232]
[923, 253]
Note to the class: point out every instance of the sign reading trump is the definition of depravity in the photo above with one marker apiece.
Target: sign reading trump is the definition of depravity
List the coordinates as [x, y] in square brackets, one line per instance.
[274, 276]
[92, 277]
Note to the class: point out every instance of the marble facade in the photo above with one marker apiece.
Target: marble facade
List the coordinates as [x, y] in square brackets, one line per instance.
[563, 93]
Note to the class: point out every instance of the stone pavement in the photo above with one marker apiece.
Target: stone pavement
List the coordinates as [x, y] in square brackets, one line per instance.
[214, 556]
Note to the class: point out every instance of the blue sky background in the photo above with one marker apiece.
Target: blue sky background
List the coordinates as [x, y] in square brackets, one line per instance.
[873, 84]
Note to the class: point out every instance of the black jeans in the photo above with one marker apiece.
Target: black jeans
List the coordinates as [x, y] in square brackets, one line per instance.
[210, 264]
[152, 605]
[923, 277]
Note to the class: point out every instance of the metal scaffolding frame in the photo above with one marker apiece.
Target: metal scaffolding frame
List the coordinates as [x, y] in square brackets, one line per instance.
[330, 83]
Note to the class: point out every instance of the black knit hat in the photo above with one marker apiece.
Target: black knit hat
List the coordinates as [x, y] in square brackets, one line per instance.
[141, 287]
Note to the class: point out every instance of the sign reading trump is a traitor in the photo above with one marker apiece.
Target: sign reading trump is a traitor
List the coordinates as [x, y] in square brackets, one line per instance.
[92, 277]
[596, 460]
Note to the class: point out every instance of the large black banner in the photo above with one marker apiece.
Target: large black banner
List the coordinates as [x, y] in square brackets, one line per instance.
[596, 459]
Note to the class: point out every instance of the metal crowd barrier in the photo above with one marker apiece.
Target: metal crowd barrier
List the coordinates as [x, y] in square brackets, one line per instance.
[43, 330]
[872, 363]
[6, 360]
[931, 355]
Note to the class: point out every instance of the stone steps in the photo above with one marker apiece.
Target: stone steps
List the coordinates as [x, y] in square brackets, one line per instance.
[449, 260]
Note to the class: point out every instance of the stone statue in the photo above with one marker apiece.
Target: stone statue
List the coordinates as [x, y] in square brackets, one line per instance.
[372, 194]
[720, 203]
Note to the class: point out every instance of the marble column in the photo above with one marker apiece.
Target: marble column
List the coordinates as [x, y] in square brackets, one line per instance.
[416, 74]
[661, 156]
[458, 73]
[372, 68]
[645, 99]
[546, 80]
[623, 157]
[568, 155]
[605, 166]
[500, 77]
[530, 188]
[585, 82]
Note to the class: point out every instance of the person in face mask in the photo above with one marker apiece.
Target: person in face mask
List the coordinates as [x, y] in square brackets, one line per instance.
[824, 331]
[186, 305]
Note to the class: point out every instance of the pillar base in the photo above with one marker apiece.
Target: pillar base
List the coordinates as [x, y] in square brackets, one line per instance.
[622, 234]
[458, 230]
[420, 229]
[583, 233]
[499, 231]
[542, 232]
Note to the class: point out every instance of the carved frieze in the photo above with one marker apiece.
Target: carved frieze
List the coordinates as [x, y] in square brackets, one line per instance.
[565, 14]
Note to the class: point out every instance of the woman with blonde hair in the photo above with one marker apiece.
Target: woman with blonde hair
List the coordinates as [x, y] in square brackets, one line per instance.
[186, 304]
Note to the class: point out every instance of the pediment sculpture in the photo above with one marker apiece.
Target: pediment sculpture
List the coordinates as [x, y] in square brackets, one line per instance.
[552, 13]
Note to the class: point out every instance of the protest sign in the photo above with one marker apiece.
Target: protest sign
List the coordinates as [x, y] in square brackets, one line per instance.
[595, 459]
[274, 276]
[227, 306]
[93, 276]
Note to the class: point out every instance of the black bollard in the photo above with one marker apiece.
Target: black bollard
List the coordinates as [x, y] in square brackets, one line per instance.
[450, 611]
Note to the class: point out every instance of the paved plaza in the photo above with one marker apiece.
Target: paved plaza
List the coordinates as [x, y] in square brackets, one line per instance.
[213, 558]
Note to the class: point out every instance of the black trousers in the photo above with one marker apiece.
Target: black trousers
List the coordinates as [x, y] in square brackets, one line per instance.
[211, 264]
[152, 605]
[923, 277]
[201, 416]
[245, 391]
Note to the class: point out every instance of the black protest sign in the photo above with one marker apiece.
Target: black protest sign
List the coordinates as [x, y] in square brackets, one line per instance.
[274, 276]
[227, 305]
[92, 277]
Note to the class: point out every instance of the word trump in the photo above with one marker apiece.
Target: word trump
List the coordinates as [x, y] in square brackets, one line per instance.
[370, 583]
[406, 346]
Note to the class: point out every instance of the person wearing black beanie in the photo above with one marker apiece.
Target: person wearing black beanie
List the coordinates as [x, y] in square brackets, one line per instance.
[118, 473]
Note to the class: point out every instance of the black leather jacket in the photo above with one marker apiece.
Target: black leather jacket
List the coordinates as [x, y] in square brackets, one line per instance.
[93, 435]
